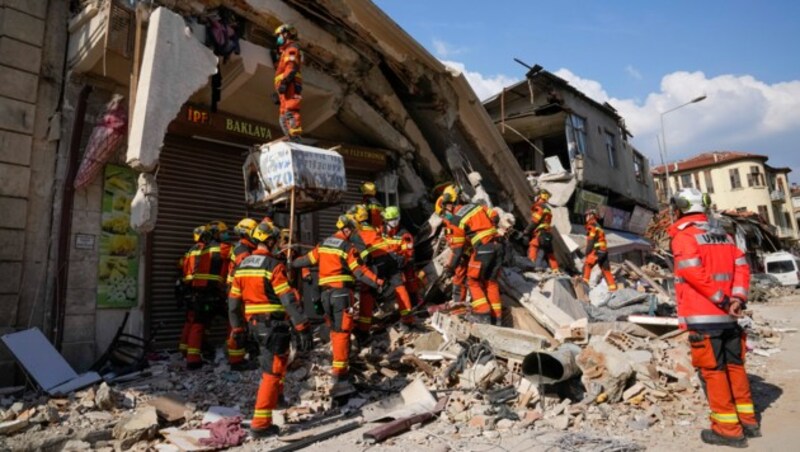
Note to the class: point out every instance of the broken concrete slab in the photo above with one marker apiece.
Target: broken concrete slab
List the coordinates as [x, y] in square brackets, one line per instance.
[509, 343]
[170, 407]
[141, 424]
[174, 66]
[105, 398]
[11, 427]
[605, 368]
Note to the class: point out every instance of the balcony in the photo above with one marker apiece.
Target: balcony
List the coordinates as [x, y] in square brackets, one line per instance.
[785, 232]
[777, 196]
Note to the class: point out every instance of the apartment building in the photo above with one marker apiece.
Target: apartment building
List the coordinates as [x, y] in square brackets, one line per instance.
[737, 181]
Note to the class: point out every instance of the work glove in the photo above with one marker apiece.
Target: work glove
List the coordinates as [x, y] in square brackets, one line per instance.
[239, 337]
[276, 99]
[282, 88]
[305, 340]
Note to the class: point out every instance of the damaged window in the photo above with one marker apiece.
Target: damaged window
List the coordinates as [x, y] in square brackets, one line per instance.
[763, 212]
[686, 181]
[611, 149]
[576, 136]
[755, 178]
[638, 167]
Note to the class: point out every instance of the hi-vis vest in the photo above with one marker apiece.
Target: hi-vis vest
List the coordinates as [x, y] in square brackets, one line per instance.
[260, 281]
[708, 268]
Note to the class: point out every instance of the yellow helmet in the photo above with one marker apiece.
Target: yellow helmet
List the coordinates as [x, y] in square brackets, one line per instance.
[285, 234]
[200, 233]
[368, 189]
[217, 226]
[391, 213]
[544, 195]
[264, 232]
[439, 206]
[286, 28]
[450, 194]
[345, 221]
[359, 213]
[245, 226]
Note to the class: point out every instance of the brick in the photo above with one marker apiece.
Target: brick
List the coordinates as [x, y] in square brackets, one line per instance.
[9, 304]
[12, 272]
[81, 301]
[12, 244]
[79, 328]
[17, 84]
[20, 55]
[23, 27]
[15, 211]
[15, 148]
[80, 355]
[16, 180]
[16, 116]
[37, 8]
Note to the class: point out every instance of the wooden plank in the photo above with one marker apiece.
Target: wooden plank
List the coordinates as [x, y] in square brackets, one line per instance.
[635, 268]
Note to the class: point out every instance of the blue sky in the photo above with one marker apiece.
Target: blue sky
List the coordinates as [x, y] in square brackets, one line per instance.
[644, 57]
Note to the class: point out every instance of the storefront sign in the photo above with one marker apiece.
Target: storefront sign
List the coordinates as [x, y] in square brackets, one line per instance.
[362, 154]
[119, 244]
[248, 128]
[197, 120]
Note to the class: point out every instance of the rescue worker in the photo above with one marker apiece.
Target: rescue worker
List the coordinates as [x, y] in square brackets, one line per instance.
[374, 207]
[289, 81]
[712, 279]
[540, 230]
[376, 252]
[596, 251]
[183, 288]
[459, 270]
[244, 247]
[262, 304]
[474, 223]
[403, 246]
[339, 268]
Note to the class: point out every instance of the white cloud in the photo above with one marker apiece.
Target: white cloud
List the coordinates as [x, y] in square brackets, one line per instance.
[443, 49]
[633, 72]
[484, 86]
[740, 113]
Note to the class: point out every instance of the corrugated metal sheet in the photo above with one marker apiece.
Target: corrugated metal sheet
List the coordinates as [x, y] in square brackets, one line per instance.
[197, 182]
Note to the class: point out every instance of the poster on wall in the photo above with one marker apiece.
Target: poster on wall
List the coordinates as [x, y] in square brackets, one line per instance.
[119, 244]
[586, 200]
[614, 218]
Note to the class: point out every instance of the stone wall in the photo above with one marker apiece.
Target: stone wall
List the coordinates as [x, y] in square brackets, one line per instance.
[32, 45]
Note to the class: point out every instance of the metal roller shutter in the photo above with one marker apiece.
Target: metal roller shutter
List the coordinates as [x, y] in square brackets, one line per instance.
[197, 182]
[326, 218]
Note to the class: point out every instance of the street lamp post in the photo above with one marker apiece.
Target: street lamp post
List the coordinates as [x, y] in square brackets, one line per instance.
[664, 142]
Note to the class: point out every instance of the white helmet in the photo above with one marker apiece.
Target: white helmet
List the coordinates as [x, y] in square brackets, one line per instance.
[691, 200]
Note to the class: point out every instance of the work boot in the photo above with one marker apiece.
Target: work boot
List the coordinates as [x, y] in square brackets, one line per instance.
[194, 366]
[363, 338]
[271, 430]
[711, 437]
[752, 431]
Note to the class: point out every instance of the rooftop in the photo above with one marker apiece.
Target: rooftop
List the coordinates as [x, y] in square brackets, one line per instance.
[707, 159]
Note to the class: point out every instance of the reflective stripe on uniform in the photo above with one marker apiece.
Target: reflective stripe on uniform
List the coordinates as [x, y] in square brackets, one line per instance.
[312, 259]
[352, 265]
[367, 320]
[479, 236]
[337, 278]
[469, 215]
[721, 276]
[725, 418]
[207, 277]
[280, 289]
[237, 352]
[718, 296]
[339, 365]
[263, 308]
[706, 319]
[740, 261]
[253, 273]
[739, 290]
[688, 263]
[334, 251]
[478, 302]
[192, 351]
[600, 244]
[745, 408]
[383, 244]
[262, 414]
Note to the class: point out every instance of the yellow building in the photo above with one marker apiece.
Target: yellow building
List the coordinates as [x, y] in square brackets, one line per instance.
[736, 181]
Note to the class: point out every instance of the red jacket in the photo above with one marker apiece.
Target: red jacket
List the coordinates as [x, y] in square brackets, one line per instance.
[708, 267]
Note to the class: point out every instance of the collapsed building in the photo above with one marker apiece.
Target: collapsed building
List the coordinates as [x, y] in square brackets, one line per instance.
[145, 87]
[579, 149]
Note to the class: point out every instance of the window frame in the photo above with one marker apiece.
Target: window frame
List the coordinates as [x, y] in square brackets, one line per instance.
[709, 181]
[611, 148]
[735, 178]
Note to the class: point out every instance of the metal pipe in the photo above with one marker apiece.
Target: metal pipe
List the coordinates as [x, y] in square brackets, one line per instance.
[552, 367]
[58, 309]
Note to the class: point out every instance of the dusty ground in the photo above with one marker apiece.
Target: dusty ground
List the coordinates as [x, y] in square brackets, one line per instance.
[774, 385]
